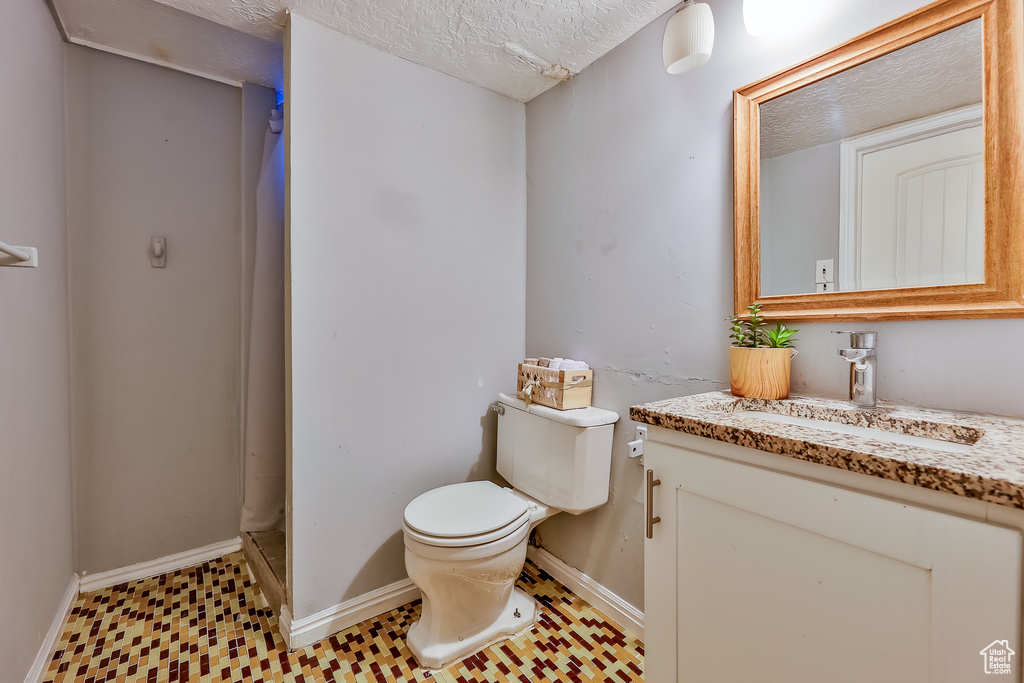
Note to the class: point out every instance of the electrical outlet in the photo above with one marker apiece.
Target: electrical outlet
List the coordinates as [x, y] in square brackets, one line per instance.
[823, 271]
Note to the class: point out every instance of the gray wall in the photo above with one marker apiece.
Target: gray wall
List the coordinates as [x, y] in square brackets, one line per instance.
[257, 101]
[799, 218]
[630, 258]
[35, 487]
[407, 231]
[155, 353]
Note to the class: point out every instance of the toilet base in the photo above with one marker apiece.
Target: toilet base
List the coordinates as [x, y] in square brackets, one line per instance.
[507, 625]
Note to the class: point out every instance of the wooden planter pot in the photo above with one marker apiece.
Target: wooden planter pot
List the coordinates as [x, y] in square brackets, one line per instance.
[759, 373]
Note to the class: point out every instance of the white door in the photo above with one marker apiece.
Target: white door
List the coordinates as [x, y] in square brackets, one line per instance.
[754, 575]
[918, 208]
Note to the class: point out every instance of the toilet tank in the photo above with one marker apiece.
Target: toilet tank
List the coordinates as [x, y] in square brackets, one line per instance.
[560, 457]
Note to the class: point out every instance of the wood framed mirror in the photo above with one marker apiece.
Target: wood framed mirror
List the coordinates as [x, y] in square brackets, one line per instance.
[905, 270]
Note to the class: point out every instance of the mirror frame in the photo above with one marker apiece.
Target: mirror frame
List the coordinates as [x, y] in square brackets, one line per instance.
[1002, 293]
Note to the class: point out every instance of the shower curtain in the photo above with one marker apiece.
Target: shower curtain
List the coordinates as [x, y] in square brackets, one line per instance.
[264, 466]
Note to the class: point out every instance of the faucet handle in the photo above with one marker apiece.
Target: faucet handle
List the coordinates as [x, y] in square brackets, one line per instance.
[860, 340]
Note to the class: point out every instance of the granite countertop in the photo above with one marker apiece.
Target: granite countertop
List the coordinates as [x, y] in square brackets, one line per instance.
[990, 468]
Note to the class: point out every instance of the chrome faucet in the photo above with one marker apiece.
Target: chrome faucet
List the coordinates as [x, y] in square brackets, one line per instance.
[861, 357]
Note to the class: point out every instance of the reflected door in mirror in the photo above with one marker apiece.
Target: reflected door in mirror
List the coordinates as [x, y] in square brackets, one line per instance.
[912, 204]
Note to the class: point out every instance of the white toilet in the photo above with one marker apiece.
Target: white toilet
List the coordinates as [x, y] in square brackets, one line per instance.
[465, 544]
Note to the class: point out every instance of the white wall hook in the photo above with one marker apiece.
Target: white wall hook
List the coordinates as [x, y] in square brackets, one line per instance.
[18, 257]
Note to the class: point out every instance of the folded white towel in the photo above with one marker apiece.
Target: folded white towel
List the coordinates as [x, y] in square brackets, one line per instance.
[558, 363]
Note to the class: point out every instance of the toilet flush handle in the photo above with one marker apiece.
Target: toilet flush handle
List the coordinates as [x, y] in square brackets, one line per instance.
[498, 408]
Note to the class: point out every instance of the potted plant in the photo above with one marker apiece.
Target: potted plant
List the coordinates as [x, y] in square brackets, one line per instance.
[759, 357]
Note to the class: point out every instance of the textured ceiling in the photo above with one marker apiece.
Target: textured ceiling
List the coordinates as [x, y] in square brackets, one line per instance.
[518, 48]
[163, 35]
[931, 76]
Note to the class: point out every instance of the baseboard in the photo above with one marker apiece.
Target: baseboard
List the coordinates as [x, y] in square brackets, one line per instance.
[626, 616]
[144, 570]
[45, 654]
[299, 633]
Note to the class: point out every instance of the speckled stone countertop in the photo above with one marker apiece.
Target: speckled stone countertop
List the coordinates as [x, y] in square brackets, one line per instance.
[992, 469]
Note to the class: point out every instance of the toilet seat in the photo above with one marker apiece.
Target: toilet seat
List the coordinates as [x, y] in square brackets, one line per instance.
[426, 547]
[469, 514]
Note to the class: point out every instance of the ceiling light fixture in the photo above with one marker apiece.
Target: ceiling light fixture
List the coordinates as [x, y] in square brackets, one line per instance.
[762, 17]
[689, 37]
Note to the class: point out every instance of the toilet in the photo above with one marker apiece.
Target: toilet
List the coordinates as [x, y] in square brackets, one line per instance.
[465, 544]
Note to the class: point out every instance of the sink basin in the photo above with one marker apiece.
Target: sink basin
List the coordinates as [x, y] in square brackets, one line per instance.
[854, 430]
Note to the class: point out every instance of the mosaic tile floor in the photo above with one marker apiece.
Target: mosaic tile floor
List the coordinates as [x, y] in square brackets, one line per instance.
[209, 623]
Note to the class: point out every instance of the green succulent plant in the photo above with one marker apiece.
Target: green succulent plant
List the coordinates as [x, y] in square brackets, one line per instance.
[752, 332]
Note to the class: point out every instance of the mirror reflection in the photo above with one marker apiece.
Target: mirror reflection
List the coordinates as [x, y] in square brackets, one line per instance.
[874, 177]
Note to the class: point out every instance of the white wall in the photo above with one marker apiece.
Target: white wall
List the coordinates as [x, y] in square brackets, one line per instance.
[407, 297]
[35, 484]
[155, 352]
[630, 257]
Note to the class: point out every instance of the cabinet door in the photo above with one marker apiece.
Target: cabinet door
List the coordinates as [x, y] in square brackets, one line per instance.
[753, 575]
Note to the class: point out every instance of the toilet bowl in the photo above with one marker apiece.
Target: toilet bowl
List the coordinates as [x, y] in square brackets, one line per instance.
[465, 544]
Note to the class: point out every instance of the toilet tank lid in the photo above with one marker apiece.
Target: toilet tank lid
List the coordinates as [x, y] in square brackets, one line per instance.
[577, 417]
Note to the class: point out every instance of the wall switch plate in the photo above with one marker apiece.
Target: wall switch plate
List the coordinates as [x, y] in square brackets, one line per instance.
[823, 271]
[158, 252]
[824, 287]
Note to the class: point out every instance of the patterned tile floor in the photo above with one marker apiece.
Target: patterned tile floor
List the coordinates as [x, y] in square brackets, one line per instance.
[209, 623]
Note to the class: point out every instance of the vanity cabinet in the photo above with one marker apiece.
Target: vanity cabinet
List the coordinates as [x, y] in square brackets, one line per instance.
[756, 573]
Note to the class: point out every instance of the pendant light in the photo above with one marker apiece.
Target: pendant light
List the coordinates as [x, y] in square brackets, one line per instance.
[689, 37]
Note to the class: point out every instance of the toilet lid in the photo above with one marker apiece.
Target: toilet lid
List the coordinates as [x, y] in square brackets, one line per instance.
[469, 509]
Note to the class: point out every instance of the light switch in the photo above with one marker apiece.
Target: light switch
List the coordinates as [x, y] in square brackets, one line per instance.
[824, 287]
[158, 252]
[823, 271]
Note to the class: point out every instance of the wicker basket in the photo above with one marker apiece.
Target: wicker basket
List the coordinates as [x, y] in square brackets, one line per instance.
[558, 389]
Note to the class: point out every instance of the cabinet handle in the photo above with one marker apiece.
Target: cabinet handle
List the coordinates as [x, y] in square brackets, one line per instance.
[651, 519]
